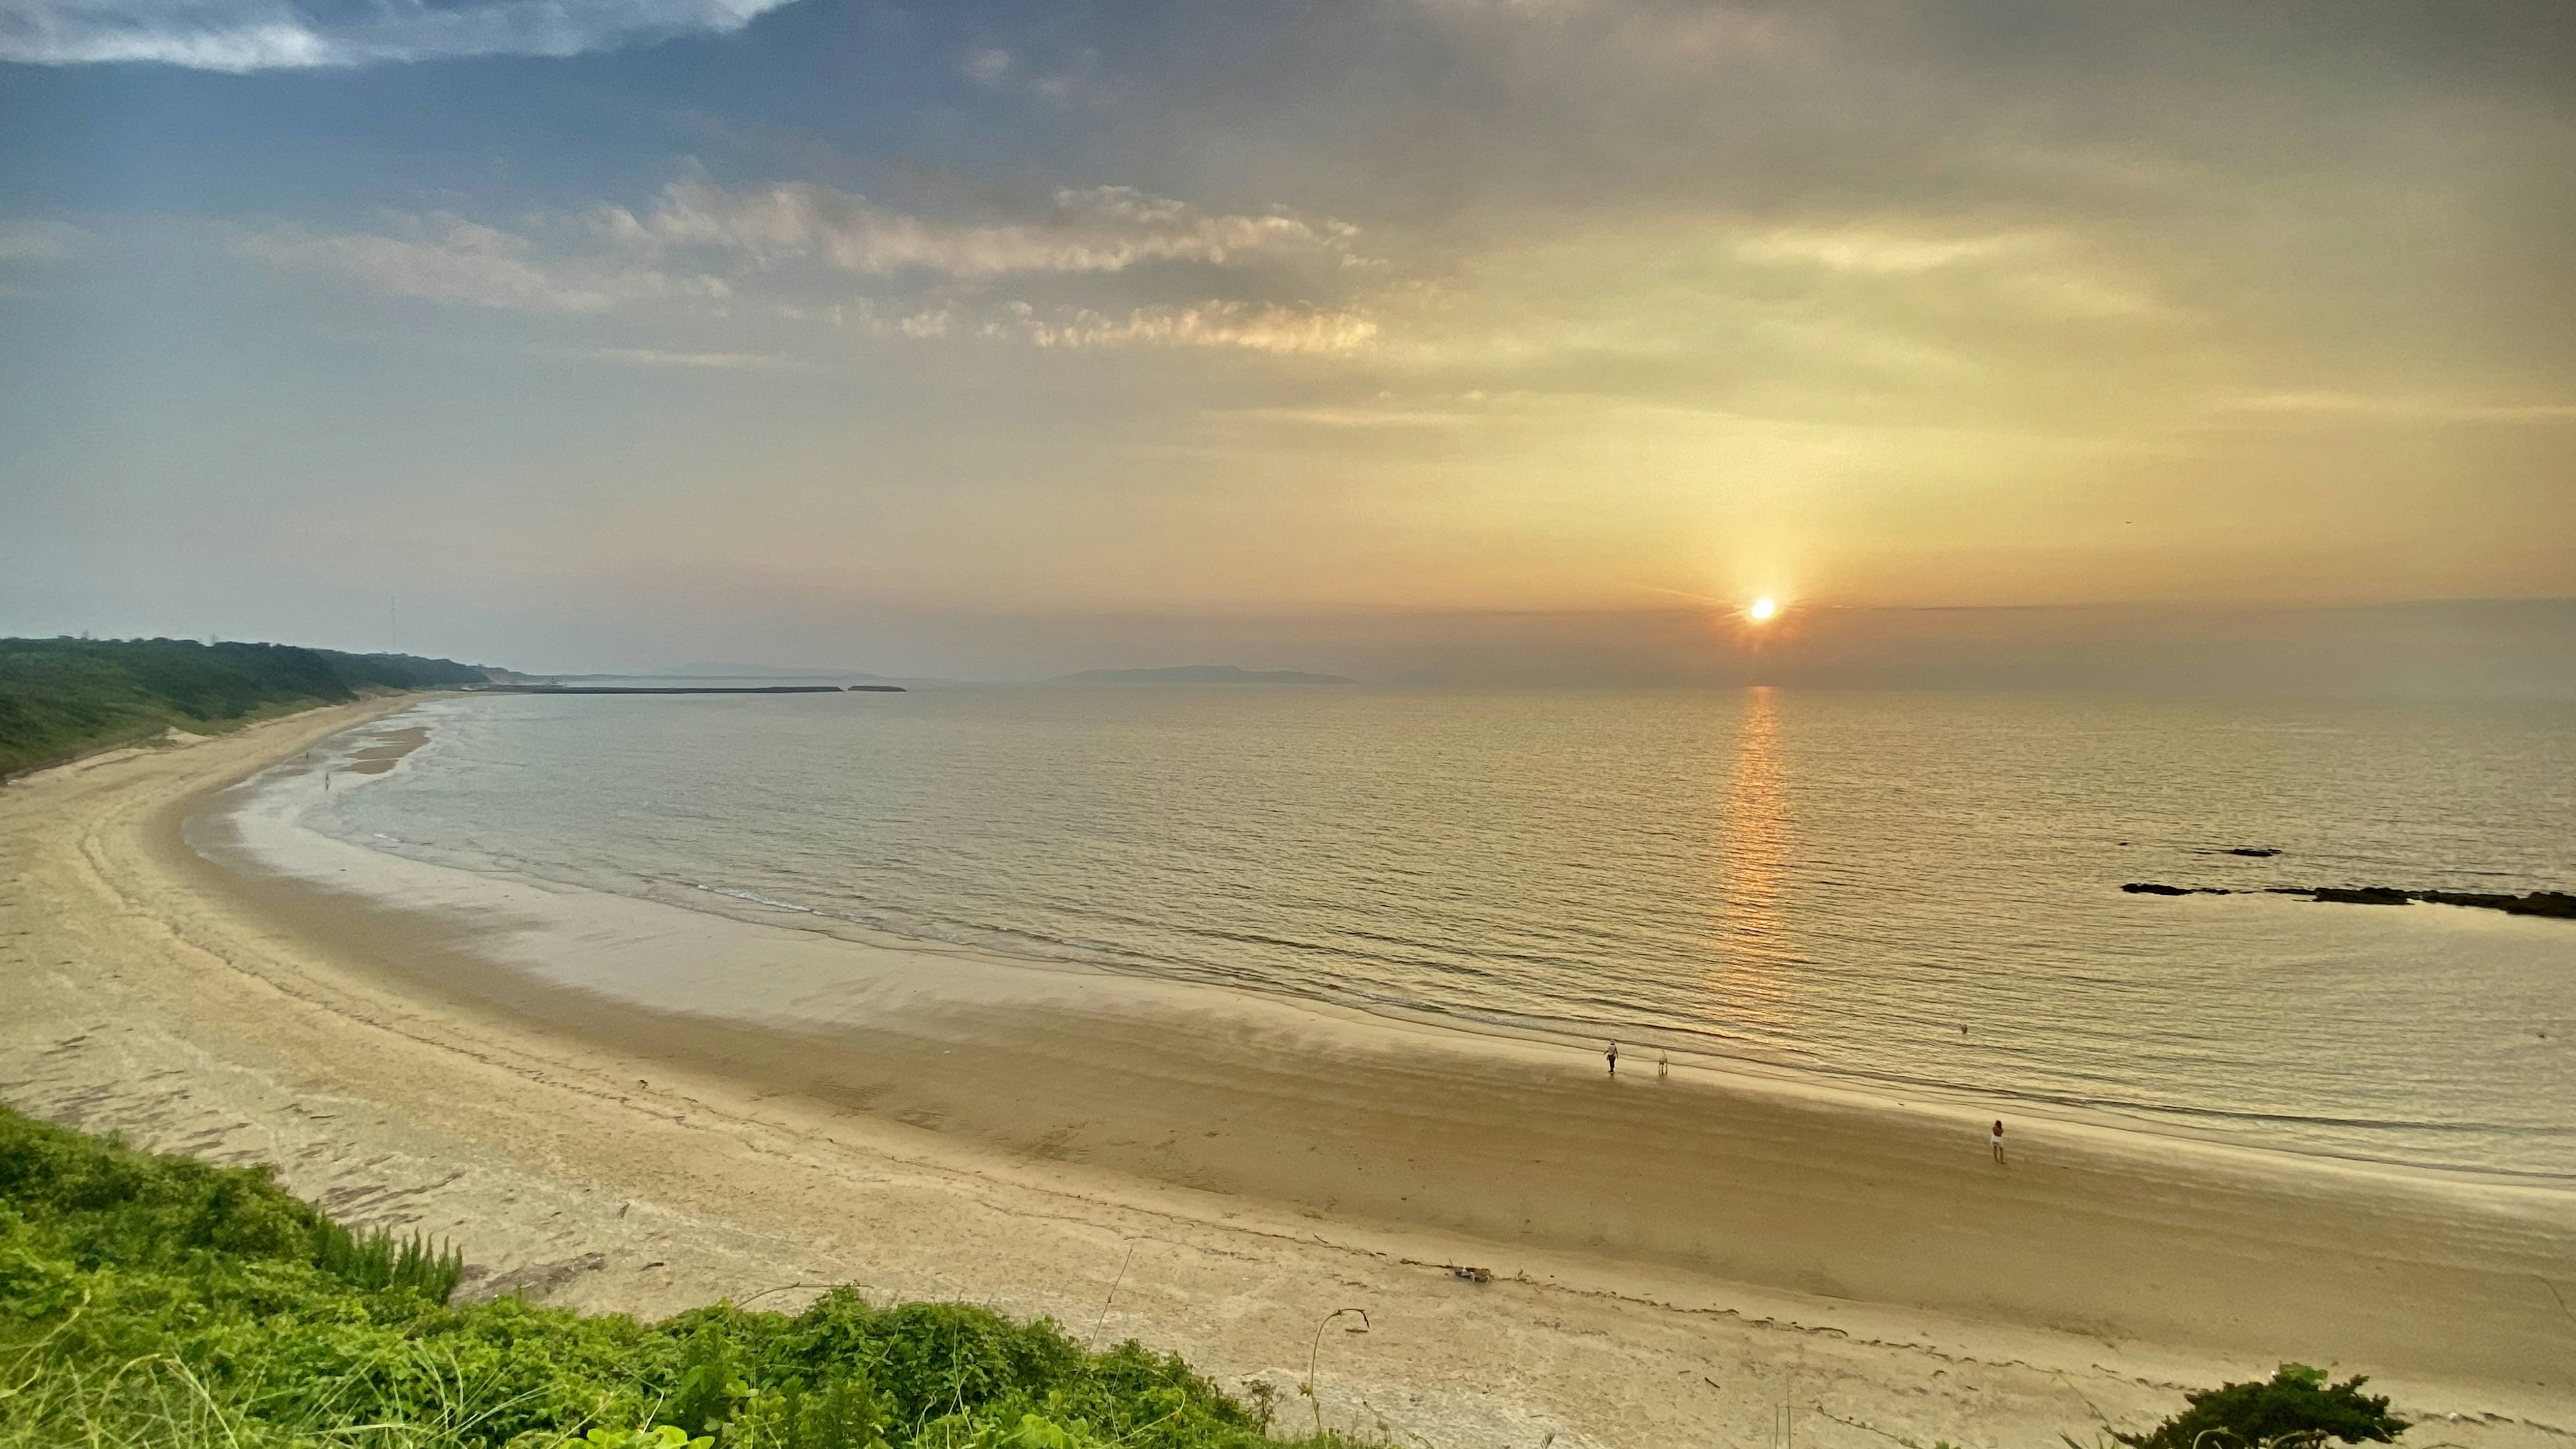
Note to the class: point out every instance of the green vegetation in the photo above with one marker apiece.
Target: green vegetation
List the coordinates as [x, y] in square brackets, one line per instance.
[158, 1301]
[2295, 1407]
[65, 697]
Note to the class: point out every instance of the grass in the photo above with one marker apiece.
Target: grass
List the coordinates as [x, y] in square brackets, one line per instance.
[61, 698]
[150, 1300]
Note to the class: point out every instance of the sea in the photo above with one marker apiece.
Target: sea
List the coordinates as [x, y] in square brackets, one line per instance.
[1918, 891]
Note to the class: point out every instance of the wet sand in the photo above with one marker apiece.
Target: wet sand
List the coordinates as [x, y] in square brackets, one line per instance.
[1687, 1252]
[385, 749]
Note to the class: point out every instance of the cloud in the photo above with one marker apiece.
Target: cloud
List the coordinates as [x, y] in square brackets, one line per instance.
[2044, 269]
[996, 69]
[700, 243]
[1253, 327]
[1361, 418]
[1095, 229]
[1883, 252]
[251, 35]
[36, 241]
[1245, 326]
[2362, 407]
[447, 258]
[655, 357]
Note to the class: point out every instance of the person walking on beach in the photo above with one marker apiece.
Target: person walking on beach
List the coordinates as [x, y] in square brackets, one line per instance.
[1613, 1055]
[1663, 1064]
[1998, 1140]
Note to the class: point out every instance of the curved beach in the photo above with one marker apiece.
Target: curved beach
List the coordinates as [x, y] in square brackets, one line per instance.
[1679, 1260]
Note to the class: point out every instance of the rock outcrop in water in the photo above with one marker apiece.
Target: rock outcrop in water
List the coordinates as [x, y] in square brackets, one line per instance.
[2539, 903]
[2358, 895]
[2558, 904]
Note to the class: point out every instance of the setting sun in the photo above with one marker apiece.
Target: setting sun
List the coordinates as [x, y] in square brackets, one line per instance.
[1760, 611]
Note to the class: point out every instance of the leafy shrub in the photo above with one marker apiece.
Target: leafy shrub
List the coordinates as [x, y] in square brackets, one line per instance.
[2296, 1406]
[378, 1259]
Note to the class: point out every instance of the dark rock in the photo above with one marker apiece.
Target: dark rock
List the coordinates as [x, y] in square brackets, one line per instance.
[2539, 903]
[2559, 905]
[2360, 896]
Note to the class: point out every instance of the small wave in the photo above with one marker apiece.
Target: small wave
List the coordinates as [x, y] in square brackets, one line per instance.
[754, 897]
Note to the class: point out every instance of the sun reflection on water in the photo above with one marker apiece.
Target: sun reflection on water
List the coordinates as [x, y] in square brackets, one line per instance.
[1751, 953]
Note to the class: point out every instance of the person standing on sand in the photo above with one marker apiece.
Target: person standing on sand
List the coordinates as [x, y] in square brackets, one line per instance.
[1998, 1141]
[1663, 1064]
[1613, 1055]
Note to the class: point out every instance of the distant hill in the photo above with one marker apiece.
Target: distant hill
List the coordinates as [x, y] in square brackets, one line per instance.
[1198, 674]
[60, 698]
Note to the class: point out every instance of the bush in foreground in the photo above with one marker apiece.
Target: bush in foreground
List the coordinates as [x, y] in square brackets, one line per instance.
[2295, 1407]
[148, 1300]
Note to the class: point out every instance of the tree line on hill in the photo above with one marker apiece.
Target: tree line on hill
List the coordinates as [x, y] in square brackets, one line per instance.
[63, 698]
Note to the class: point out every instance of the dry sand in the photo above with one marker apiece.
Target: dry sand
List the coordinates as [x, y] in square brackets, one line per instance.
[1694, 1261]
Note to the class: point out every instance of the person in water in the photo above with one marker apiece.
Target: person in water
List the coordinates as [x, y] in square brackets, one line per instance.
[1998, 1140]
[1613, 1055]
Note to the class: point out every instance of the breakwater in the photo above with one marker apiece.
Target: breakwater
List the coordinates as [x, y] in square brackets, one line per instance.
[689, 689]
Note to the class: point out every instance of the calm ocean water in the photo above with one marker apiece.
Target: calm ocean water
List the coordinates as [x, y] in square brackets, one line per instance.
[1835, 882]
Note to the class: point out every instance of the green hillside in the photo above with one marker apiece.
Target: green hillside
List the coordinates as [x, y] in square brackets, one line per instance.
[65, 697]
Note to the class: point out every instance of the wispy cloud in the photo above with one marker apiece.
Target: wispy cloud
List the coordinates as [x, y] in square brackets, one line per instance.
[2042, 269]
[930, 278]
[655, 357]
[1882, 251]
[1243, 326]
[996, 69]
[1373, 419]
[36, 241]
[251, 35]
[1251, 327]
[1095, 229]
[2364, 407]
[447, 258]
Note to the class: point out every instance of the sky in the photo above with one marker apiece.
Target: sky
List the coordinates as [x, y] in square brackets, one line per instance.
[982, 338]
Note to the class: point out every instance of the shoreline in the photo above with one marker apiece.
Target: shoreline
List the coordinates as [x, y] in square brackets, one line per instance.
[292, 983]
[2114, 1126]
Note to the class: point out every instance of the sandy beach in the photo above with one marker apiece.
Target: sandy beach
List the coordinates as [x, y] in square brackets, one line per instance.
[1710, 1258]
